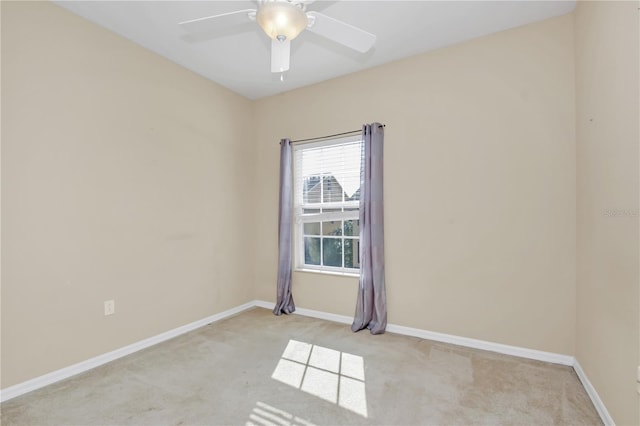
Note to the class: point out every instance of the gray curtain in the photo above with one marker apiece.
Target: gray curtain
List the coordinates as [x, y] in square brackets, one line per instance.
[285, 304]
[371, 307]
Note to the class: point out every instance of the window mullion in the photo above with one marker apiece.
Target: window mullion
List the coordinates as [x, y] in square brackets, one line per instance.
[342, 241]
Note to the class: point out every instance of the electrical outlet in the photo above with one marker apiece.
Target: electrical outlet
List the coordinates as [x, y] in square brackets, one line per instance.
[109, 307]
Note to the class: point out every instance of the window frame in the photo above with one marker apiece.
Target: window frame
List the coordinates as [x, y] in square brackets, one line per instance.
[300, 218]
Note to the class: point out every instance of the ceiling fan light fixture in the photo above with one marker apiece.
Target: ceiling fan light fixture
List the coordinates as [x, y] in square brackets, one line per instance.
[281, 20]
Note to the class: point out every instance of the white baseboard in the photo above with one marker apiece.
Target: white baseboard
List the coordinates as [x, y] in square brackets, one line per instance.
[72, 370]
[264, 304]
[309, 313]
[595, 398]
[441, 337]
[483, 345]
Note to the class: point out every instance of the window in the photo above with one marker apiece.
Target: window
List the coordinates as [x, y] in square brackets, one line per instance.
[326, 204]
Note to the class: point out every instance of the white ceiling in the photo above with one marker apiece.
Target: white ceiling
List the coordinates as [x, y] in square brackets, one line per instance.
[240, 59]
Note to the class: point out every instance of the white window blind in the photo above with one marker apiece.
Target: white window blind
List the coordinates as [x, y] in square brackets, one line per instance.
[326, 204]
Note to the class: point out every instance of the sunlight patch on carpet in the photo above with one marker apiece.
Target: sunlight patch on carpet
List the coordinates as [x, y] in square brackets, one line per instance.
[266, 415]
[334, 376]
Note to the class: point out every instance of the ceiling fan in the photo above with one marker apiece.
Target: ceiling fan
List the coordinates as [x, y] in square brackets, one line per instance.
[284, 20]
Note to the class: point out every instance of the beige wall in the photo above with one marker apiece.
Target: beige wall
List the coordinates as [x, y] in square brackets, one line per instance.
[127, 177]
[123, 177]
[479, 185]
[607, 202]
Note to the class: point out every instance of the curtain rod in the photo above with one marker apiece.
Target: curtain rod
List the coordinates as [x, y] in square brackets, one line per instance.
[332, 136]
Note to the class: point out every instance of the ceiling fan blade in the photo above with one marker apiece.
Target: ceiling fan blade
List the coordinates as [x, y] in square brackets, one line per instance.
[341, 32]
[280, 54]
[218, 22]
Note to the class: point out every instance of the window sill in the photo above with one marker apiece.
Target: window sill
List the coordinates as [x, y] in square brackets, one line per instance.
[318, 271]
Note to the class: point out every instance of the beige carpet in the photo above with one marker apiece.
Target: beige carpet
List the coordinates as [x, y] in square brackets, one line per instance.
[258, 369]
